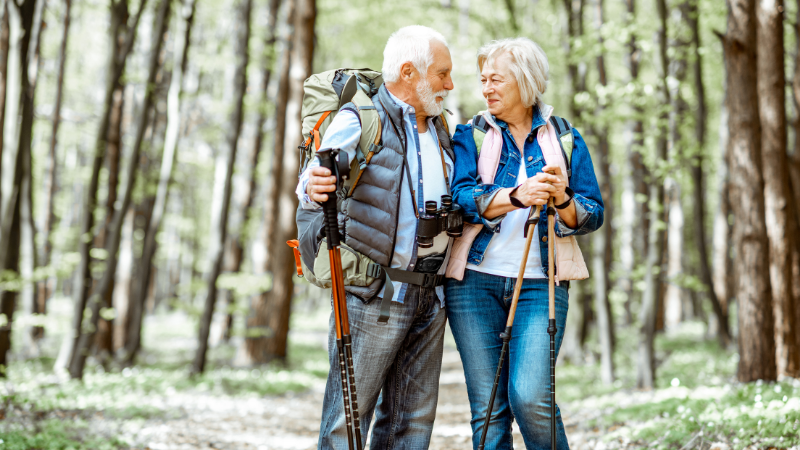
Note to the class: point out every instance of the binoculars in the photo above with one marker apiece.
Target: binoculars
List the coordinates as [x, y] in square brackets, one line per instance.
[448, 218]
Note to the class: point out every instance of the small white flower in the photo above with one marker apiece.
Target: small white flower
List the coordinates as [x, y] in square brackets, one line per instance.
[777, 388]
[758, 398]
[675, 382]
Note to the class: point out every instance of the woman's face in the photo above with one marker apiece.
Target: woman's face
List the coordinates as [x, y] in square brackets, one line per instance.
[499, 87]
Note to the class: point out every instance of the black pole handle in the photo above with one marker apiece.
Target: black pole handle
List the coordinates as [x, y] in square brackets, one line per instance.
[327, 160]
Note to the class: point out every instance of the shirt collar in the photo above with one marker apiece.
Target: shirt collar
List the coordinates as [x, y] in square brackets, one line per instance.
[399, 103]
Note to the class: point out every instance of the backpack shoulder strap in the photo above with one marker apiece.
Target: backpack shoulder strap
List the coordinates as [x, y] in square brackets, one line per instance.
[479, 129]
[369, 145]
[565, 138]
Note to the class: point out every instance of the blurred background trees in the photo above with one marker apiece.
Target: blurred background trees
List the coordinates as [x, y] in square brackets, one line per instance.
[149, 157]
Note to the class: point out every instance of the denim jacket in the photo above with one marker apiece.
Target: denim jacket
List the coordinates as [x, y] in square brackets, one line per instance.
[475, 197]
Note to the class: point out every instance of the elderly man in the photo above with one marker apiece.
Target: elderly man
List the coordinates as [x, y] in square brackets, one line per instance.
[397, 365]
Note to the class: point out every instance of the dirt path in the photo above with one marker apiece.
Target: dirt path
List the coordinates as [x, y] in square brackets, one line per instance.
[291, 421]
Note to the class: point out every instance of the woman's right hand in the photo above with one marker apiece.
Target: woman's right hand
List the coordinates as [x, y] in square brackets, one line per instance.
[537, 189]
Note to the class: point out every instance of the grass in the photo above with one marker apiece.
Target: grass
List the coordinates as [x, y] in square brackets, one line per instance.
[53, 434]
[36, 402]
[697, 400]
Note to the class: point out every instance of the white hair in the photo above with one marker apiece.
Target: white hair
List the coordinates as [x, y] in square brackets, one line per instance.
[528, 64]
[409, 44]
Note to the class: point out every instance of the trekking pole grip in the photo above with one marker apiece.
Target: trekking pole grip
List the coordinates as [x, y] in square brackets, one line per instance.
[326, 159]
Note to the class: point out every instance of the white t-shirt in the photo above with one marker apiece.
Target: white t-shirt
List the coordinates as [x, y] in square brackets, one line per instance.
[434, 186]
[504, 253]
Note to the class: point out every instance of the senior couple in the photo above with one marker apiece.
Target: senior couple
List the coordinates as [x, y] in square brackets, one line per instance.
[398, 364]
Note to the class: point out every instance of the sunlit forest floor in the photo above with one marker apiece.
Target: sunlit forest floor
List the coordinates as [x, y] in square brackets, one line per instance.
[155, 405]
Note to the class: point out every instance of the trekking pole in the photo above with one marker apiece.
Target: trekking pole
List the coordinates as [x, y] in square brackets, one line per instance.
[342, 322]
[530, 227]
[551, 328]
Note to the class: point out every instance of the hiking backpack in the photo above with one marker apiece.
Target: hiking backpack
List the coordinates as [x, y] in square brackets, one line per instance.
[327, 93]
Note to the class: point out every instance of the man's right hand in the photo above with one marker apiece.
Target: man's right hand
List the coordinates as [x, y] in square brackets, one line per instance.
[320, 182]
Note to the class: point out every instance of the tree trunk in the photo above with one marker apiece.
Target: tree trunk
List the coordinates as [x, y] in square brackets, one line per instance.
[576, 73]
[87, 332]
[780, 223]
[602, 240]
[220, 218]
[698, 175]
[181, 53]
[10, 264]
[237, 244]
[634, 224]
[279, 300]
[256, 326]
[652, 298]
[4, 50]
[43, 291]
[673, 293]
[10, 253]
[723, 274]
[104, 344]
[754, 296]
[244, 357]
[275, 175]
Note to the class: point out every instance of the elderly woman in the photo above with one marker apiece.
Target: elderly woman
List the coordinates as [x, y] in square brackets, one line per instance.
[520, 165]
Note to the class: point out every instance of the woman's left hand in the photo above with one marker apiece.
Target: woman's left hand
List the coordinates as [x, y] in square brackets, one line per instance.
[558, 181]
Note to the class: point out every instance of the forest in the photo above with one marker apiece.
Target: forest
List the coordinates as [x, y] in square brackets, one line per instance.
[148, 165]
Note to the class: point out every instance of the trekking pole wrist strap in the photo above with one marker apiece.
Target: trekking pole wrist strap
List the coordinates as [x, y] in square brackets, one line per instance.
[571, 194]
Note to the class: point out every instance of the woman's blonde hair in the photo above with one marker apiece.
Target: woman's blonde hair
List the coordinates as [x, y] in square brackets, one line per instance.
[529, 65]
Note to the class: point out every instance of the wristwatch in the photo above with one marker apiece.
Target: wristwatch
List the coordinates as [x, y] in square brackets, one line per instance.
[571, 194]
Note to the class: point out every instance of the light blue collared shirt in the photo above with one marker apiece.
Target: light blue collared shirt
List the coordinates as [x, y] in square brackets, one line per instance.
[344, 133]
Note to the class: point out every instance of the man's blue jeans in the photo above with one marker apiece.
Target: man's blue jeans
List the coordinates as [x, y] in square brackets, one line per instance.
[397, 372]
[478, 308]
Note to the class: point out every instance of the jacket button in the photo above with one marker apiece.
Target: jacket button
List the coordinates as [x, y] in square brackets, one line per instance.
[530, 158]
[544, 239]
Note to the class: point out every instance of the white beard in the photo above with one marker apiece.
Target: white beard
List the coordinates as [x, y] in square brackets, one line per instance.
[428, 98]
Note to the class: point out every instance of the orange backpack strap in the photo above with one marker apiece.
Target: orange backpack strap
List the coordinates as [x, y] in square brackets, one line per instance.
[294, 243]
[315, 131]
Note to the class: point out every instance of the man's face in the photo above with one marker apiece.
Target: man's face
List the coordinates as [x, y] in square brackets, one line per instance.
[432, 89]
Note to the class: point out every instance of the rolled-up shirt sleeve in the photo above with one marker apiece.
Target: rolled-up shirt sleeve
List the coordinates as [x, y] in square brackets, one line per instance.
[343, 133]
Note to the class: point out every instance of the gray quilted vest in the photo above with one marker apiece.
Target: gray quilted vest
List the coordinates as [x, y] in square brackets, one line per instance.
[368, 218]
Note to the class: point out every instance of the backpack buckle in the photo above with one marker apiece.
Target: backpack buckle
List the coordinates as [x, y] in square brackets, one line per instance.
[374, 270]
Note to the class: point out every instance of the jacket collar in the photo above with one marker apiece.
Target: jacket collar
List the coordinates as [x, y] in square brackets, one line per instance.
[393, 110]
[541, 113]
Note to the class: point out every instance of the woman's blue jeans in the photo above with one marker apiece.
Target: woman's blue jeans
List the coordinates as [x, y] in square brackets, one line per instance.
[477, 308]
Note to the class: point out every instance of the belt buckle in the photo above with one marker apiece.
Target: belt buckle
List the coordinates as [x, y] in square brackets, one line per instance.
[430, 280]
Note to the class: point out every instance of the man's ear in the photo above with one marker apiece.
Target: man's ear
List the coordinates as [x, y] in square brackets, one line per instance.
[407, 71]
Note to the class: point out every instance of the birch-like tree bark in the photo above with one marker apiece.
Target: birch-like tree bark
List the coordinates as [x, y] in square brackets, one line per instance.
[220, 218]
[780, 217]
[753, 291]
